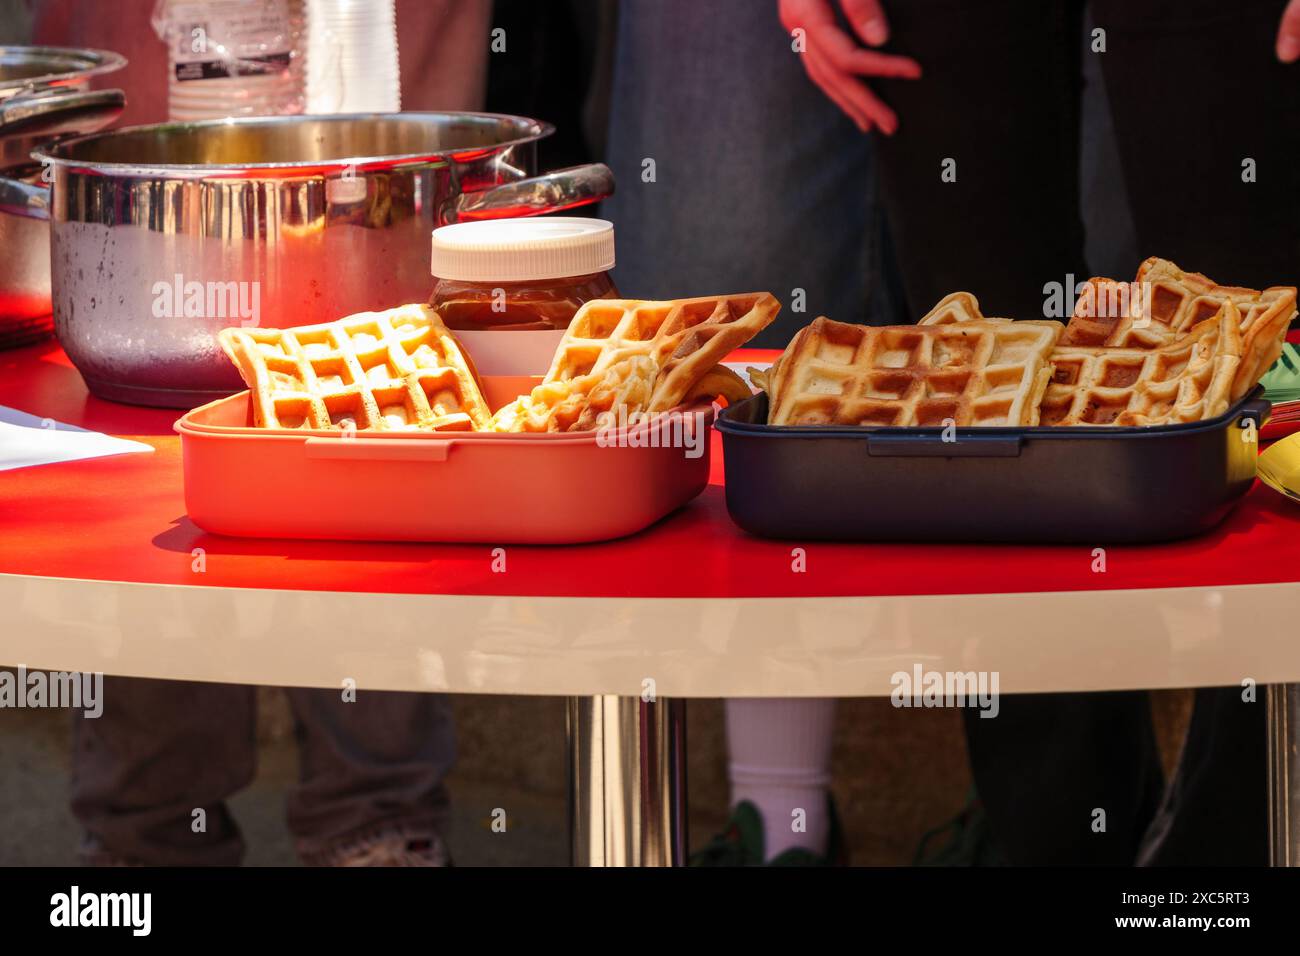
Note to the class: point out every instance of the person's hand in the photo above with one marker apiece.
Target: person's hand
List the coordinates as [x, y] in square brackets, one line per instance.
[1288, 33]
[834, 59]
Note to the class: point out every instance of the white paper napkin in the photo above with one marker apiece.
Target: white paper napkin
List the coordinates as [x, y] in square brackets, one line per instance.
[27, 440]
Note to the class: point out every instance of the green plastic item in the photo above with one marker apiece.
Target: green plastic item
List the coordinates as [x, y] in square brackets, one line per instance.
[1282, 381]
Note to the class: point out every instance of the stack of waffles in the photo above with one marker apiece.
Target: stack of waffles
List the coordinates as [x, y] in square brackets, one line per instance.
[1187, 380]
[398, 370]
[1165, 304]
[1183, 351]
[402, 370]
[642, 358]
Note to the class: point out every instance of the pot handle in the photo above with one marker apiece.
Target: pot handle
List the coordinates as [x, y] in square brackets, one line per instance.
[552, 192]
[23, 199]
[61, 111]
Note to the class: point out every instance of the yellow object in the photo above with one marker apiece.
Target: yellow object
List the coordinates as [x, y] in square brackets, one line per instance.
[1279, 466]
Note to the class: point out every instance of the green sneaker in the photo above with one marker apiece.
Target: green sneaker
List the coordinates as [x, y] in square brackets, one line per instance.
[971, 842]
[741, 843]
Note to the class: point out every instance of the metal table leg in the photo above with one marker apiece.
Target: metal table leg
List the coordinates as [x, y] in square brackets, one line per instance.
[627, 781]
[1283, 702]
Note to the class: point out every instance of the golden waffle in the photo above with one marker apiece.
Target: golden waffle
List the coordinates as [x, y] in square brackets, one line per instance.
[686, 338]
[968, 373]
[1166, 303]
[644, 356]
[374, 371]
[577, 404]
[719, 382]
[1187, 381]
[1110, 313]
[694, 339]
[956, 307]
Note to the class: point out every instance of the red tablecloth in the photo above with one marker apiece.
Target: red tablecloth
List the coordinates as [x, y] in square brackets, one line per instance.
[123, 519]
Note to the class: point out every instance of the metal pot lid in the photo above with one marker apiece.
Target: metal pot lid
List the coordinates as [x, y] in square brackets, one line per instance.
[30, 68]
[336, 141]
[59, 111]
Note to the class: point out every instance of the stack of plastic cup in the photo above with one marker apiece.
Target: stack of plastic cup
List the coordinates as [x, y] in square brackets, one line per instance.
[352, 57]
[247, 95]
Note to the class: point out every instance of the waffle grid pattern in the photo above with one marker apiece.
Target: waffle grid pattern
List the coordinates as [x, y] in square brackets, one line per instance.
[375, 371]
[1187, 381]
[970, 373]
[1166, 303]
[614, 347]
[686, 338]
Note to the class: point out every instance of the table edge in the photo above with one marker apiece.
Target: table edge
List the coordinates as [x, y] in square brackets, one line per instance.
[1052, 641]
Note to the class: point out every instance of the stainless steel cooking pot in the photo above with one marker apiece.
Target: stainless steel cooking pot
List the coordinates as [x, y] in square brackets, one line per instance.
[24, 259]
[43, 95]
[28, 69]
[162, 235]
[43, 92]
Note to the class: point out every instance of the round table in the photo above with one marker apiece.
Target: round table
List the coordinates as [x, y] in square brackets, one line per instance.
[101, 570]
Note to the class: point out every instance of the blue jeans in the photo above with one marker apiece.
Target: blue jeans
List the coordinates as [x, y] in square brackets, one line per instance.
[759, 182]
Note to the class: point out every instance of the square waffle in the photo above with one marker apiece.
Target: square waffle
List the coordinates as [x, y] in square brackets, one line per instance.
[646, 357]
[1165, 303]
[969, 373]
[398, 370]
[1186, 381]
[686, 338]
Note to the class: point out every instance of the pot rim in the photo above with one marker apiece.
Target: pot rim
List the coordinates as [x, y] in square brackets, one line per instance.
[102, 61]
[55, 153]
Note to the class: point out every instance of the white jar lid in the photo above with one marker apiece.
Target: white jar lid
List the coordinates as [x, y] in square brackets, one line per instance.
[521, 250]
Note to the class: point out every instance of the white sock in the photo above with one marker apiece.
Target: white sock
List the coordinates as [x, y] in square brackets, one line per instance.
[781, 761]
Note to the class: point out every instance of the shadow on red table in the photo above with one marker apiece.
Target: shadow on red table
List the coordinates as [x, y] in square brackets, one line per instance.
[39, 379]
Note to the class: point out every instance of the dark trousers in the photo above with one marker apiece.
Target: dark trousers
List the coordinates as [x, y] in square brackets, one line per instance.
[1194, 91]
[1196, 96]
[163, 749]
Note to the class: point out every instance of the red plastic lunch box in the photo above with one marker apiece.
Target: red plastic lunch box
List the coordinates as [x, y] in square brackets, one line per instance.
[560, 488]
